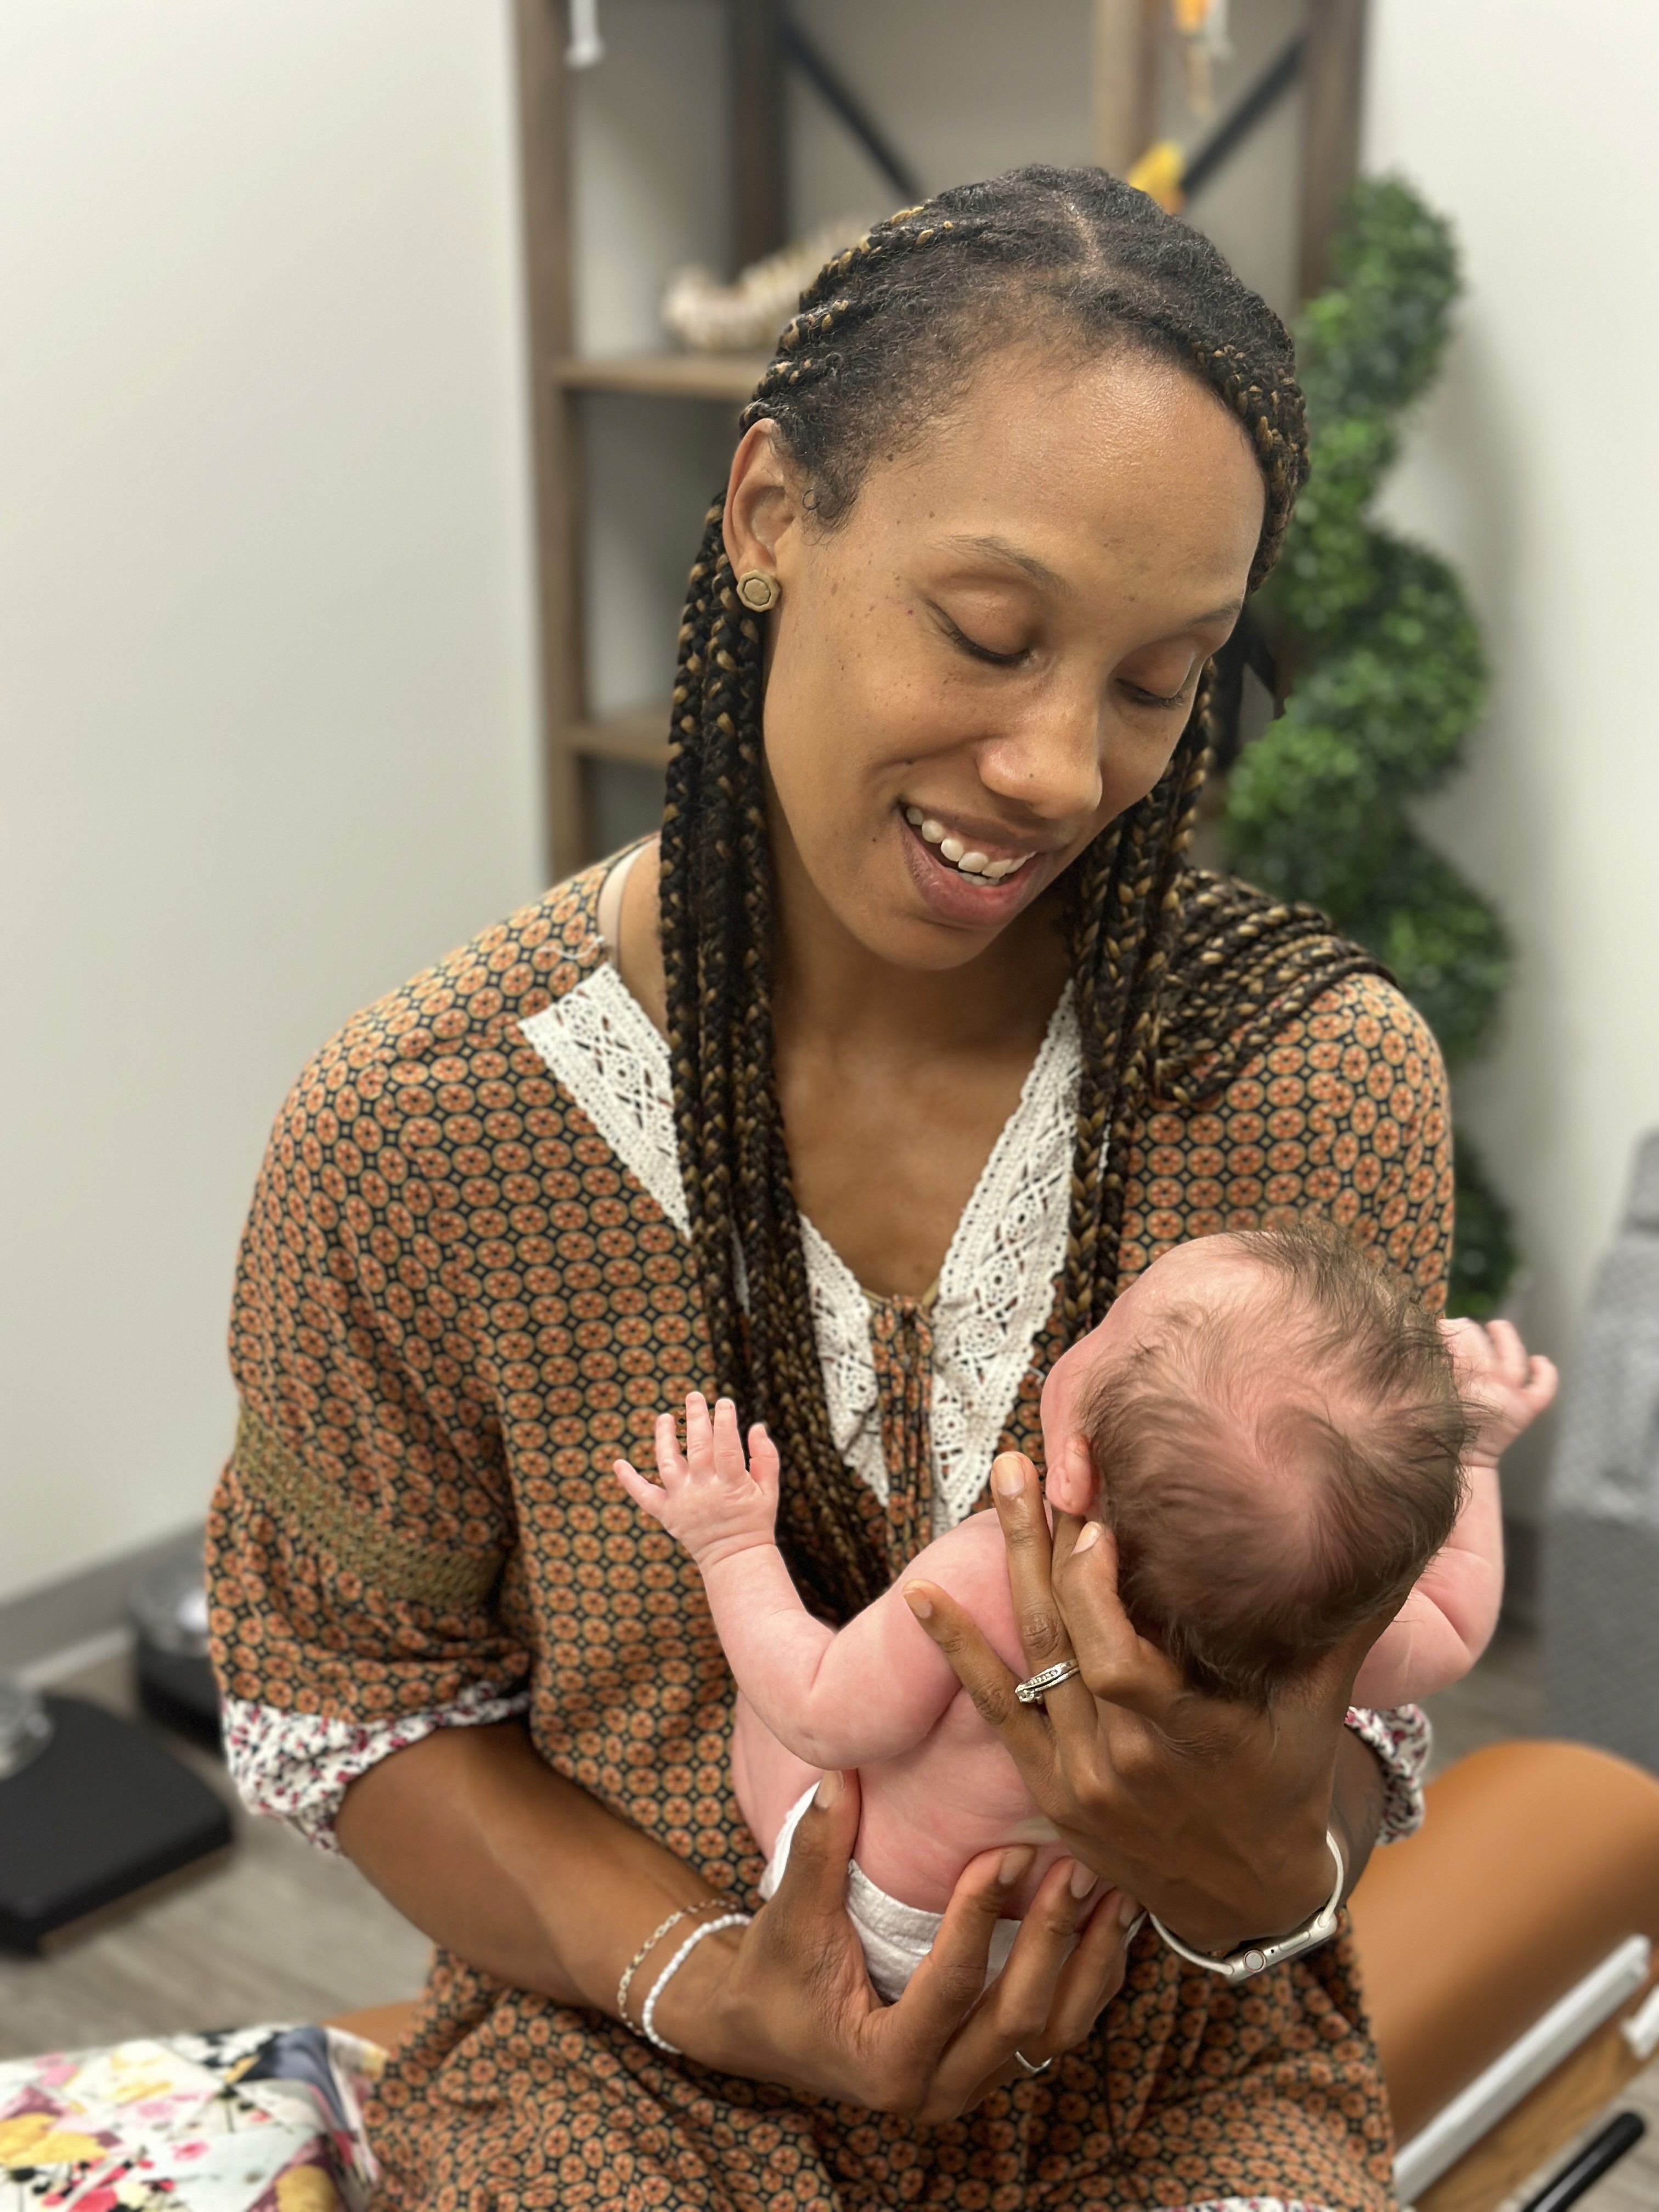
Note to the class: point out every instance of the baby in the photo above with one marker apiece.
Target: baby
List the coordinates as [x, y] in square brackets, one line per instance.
[1276, 1435]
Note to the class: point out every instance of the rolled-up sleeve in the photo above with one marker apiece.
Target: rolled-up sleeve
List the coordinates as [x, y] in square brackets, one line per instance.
[1402, 1739]
[362, 1537]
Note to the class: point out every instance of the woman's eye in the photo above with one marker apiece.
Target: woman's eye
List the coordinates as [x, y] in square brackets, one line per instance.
[976, 650]
[1146, 698]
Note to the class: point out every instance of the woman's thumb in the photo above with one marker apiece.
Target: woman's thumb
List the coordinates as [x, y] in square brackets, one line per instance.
[823, 1842]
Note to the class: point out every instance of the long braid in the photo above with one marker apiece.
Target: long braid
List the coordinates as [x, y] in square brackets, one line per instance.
[968, 270]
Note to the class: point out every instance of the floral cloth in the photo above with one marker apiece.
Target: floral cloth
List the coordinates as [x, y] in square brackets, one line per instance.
[263, 2120]
[457, 1304]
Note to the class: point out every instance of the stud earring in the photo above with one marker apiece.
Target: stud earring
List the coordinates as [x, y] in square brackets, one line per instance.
[759, 591]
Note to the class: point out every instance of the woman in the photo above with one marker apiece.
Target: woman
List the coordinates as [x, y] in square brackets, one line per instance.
[858, 1096]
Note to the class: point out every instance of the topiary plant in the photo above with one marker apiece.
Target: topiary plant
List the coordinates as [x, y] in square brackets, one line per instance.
[1383, 663]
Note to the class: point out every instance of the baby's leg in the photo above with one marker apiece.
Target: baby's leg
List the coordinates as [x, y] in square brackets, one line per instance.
[767, 1778]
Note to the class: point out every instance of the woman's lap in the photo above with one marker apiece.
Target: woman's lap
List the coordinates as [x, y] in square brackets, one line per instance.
[1193, 2095]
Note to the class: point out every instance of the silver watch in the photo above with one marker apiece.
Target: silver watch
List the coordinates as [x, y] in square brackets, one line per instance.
[1256, 1958]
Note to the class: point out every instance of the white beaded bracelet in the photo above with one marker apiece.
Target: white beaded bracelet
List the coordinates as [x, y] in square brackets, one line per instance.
[708, 1928]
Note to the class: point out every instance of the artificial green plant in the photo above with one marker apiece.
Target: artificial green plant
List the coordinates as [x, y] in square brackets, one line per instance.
[1386, 676]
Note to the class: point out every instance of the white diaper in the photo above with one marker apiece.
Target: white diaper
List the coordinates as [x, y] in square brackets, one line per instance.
[895, 1938]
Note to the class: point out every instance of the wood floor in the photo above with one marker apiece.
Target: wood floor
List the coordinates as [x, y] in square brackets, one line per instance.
[282, 1933]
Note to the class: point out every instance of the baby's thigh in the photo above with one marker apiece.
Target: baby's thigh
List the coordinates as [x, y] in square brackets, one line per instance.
[767, 1778]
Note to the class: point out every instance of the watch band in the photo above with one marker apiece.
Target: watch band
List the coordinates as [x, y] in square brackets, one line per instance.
[1255, 1958]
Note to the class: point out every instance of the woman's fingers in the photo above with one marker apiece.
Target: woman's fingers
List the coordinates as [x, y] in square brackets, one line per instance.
[980, 1673]
[1118, 1664]
[947, 1985]
[1018, 1500]
[815, 1878]
[1091, 1976]
[1047, 1997]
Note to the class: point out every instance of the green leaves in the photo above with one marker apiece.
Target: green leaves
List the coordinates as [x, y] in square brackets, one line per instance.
[1389, 675]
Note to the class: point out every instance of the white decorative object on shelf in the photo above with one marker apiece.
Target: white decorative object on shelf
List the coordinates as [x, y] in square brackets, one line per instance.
[742, 317]
[587, 47]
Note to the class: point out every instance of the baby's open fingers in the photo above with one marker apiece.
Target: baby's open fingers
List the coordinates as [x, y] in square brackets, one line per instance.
[650, 1495]
[671, 1460]
[763, 1459]
[729, 1463]
[699, 1435]
[1541, 1384]
[1510, 1361]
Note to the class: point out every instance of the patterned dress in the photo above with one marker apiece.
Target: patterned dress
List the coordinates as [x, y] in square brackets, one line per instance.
[464, 1289]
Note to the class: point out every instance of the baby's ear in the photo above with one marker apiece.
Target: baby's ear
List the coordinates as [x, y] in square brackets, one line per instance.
[1072, 1483]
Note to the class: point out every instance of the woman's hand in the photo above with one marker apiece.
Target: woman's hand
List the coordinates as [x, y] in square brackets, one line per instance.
[787, 2000]
[1212, 1814]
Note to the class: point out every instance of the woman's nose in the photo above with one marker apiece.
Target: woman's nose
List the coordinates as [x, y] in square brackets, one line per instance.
[1049, 761]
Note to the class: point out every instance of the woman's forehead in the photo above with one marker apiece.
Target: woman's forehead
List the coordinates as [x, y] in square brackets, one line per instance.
[1055, 469]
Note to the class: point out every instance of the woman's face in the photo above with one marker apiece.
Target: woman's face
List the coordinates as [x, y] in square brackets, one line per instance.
[994, 654]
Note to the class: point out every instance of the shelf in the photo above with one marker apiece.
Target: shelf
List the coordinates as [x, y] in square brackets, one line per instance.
[639, 739]
[728, 376]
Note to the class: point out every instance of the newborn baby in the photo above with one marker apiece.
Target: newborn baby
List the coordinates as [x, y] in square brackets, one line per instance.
[1273, 1430]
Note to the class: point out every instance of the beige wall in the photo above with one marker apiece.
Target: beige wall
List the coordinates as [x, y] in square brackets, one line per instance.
[1536, 468]
[266, 713]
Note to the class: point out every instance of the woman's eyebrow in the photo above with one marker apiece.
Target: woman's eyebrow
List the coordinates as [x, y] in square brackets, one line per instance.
[1000, 550]
[1008, 554]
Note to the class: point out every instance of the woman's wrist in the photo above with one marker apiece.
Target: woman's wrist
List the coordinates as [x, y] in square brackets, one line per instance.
[687, 2013]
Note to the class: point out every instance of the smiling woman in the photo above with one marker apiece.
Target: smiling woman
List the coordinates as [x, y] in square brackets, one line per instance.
[857, 1097]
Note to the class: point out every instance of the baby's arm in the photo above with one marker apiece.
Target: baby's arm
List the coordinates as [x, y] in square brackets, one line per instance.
[1447, 1621]
[843, 1698]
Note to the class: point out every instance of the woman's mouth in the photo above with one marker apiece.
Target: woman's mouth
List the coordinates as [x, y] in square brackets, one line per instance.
[964, 858]
[961, 881]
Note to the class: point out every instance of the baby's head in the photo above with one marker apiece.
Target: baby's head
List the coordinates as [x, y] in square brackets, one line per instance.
[1277, 1430]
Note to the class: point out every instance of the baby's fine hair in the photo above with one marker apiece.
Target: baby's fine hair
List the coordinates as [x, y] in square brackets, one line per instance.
[1280, 1469]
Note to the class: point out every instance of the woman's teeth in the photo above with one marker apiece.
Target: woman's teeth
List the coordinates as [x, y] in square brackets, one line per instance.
[952, 849]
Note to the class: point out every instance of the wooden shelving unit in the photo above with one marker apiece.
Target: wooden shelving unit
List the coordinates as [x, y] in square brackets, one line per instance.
[728, 376]
[1123, 65]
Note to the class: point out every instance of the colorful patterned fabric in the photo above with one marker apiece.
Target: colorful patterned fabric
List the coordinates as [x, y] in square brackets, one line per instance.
[266, 2119]
[455, 1307]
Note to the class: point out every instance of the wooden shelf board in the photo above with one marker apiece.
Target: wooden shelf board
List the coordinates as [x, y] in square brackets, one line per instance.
[729, 376]
[642, 740]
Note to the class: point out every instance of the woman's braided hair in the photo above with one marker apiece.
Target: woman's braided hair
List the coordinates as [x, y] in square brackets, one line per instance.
[887, 337]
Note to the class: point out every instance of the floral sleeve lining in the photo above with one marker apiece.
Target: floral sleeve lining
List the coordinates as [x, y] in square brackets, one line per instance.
[297, 1767]
[1401, 1739]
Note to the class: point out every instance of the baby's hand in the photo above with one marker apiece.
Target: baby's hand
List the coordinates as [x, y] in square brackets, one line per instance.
[708, 1496]
[1506, 1389]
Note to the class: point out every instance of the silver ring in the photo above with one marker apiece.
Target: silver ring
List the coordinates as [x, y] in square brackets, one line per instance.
[1036, 1687]
[1027, 2064]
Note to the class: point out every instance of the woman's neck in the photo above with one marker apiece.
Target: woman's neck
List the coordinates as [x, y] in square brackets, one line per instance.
[831, 987]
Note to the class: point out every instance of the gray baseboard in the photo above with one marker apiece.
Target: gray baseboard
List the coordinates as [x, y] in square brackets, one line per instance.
[43, 1622]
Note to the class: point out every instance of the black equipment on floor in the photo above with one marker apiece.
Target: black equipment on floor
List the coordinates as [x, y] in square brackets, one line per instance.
[171, 1669]
[92, 1812]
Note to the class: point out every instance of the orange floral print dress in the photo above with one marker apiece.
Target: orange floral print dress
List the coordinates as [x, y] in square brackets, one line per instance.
[464, 1289]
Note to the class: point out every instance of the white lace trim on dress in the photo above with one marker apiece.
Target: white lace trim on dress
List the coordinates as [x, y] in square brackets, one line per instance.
[996, 1286]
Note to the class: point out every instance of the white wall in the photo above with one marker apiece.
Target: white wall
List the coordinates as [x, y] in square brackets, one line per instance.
[1537, 469]
[266, 719]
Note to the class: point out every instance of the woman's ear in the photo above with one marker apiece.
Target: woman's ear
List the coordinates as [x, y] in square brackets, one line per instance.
[762, 507]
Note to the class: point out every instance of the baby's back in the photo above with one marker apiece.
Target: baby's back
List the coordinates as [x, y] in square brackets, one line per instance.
[927, 1813]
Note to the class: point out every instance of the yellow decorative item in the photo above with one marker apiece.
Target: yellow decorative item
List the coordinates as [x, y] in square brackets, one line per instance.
[306, 2189]
[1159, 174]
[36, 2139]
